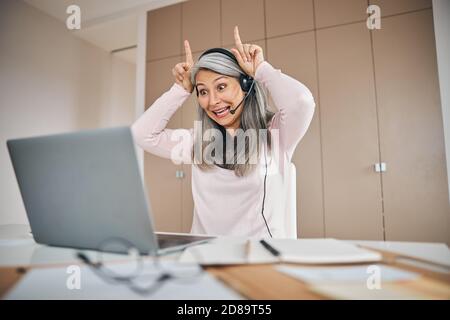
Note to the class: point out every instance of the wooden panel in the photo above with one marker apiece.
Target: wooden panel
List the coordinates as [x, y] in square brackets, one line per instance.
[411, 130]
[237, 12]
[164, 190]
[296, 56]
[389, 7]
[201, 24]
[288, 16]
[189, 115]
[261, 43]
[263, 282]
[352, 190]
[164, 32]
[159, 78]
[332, 12]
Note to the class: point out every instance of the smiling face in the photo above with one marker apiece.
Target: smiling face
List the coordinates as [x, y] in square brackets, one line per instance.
[217, 94]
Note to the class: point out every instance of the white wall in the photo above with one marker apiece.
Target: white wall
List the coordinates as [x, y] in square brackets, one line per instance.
[52, 82]
[119, 109]
[441, 14]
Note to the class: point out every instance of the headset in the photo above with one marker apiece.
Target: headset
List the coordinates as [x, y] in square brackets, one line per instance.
[246, 82]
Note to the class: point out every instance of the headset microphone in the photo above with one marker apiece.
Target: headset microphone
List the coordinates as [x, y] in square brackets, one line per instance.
[233, 111]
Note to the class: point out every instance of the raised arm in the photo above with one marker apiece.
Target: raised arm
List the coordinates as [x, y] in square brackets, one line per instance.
[294, 101]
[150, 131]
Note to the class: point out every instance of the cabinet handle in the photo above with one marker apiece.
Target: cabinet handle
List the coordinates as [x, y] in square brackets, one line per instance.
[380, 167]
[179, 174]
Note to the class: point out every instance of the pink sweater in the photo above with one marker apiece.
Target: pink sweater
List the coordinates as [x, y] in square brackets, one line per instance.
[225, 204]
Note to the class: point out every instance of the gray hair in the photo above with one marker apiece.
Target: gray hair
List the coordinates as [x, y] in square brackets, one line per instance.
[255, 115]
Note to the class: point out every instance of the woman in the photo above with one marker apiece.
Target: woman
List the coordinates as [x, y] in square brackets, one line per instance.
[233, 195]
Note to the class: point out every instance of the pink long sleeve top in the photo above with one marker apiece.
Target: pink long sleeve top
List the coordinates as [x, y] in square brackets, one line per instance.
[225, 204]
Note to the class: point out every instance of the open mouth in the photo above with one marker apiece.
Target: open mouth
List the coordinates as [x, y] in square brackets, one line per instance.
[220, 113]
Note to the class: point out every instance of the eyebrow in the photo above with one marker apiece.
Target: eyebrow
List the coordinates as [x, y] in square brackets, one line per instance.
[198, 83]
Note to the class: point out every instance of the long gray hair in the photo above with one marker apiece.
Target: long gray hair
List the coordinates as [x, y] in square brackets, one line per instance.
[255, 115]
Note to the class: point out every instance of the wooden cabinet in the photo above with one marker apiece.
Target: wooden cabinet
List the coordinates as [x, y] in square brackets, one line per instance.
[163, 33]
[377, 101]
[163, 188]
[416, 206]
[352, 190]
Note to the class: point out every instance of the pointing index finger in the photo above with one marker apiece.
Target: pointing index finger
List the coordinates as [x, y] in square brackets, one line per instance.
[187, 48]
[237, 39]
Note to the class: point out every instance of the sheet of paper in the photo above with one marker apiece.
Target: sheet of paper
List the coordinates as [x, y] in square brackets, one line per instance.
[358, 274]
[59, 283]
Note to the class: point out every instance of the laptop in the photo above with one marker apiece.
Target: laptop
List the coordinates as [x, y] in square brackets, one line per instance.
[84, 189]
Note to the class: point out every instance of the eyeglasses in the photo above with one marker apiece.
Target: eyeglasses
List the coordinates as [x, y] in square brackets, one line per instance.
[134, 273]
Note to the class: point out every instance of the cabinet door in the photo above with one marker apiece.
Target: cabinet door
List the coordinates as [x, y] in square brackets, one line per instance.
[288, 16]
[164, 189]
[295, 55]
[201, 24]
[415, 189]
[332, 12]
[237, 13]
[164, 32]
[352, 190]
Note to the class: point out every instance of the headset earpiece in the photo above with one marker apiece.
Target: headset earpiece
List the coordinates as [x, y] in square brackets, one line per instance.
[246, 82]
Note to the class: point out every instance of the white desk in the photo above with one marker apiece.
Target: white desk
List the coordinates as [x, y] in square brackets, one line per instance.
[252, 281]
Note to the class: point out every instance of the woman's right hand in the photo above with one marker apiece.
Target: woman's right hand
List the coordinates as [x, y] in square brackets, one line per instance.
[182, 70]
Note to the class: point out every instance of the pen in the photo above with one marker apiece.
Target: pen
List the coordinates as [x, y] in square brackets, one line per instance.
[269, 248]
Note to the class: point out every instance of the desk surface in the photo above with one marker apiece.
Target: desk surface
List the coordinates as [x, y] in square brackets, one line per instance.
[251, 281]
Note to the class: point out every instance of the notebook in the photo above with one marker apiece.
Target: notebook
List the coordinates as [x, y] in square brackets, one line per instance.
[305, 251]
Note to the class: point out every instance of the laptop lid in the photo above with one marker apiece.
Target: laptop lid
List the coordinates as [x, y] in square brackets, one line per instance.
[81, 189]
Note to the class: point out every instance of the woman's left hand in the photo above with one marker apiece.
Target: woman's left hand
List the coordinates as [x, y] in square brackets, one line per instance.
[249, 56]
